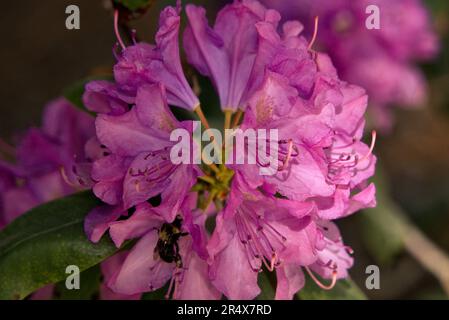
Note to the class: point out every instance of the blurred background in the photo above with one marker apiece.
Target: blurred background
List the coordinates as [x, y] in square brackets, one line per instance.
[40, 58]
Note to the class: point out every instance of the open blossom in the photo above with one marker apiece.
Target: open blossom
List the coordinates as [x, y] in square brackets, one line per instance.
[227, 53]
[137, 165]
[160, 63]
[380, 60]
[267, 77]
[147, 268]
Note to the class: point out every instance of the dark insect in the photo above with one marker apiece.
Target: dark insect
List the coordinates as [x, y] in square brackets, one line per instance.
[167, 247]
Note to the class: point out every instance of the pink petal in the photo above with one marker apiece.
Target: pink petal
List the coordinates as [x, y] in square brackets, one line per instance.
[140, 272]
[98, 220]
[290, 279]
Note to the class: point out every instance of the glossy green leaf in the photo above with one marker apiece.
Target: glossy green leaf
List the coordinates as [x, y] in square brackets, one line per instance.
[381, 226]
[134, 5]
[267, 285]
[90, 280]
[36, 248]
[343, 290]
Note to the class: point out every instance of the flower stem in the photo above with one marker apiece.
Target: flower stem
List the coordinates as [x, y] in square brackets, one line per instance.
[202, 117]
[214, 167]
[207, 179]
[237, 118]
[209, 200]
[228, 116]
[427, 253]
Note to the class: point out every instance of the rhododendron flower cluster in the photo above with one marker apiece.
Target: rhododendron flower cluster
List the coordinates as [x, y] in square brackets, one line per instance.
[380, 60]
[208, 230]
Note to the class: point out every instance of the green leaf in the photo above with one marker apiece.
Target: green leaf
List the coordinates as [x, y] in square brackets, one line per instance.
[89, 286]
[266, 284]
[343, 290]
[158, 294]
[134, 5]
[74, 93]
[381, 226]
[36, 248]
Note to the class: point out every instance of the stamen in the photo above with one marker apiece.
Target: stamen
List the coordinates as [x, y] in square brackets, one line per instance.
[294, 151]
[207, 179]
[66, 178]
[319, 283]
[117, 33]
[315, 33]
[114, 51]
[170, 287]
[237, 118]
[264, 251]
[134, 36]
[289, 154]
[202, 117]
[245, 244]
[349, 250]
[274, 261]
[373, 144]
[228, 116]
[205, 123]
[276, 232]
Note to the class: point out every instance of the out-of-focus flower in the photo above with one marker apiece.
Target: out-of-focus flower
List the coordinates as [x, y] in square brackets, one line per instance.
[380, 60]
[42, 154]
[47, 165]
[34, 176]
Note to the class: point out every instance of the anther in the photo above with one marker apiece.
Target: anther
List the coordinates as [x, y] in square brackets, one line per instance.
[117, 33]
[289, 155]
[66, 178]
[134, 36]
[373, 144]
[315, 33]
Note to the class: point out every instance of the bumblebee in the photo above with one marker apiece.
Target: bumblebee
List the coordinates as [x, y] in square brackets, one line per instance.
[167, 247]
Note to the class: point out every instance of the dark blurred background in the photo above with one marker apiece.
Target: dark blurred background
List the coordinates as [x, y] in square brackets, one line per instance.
[40, 57]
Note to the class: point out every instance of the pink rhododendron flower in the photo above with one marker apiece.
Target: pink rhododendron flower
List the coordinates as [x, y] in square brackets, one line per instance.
[380, 60]
[139, 166]
[227, 53]
[267, 77]
[147, 64]
[151, 263]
